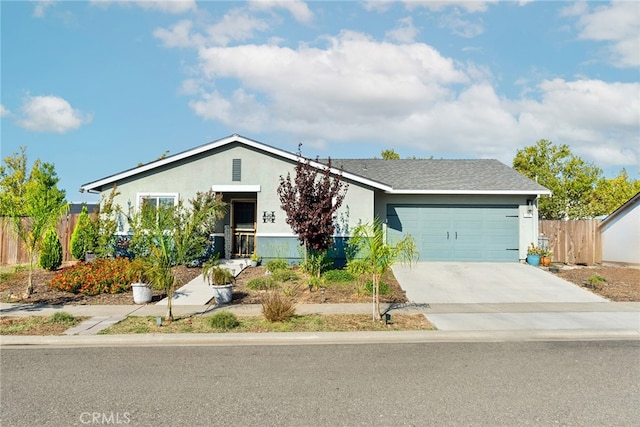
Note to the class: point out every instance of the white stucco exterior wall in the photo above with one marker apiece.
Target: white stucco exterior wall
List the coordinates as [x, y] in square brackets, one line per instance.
[621, 238]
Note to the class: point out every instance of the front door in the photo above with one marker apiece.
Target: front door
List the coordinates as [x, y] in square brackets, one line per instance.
[243, 227]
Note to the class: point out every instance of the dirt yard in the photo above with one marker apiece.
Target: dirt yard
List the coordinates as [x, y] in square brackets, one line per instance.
[622, 284]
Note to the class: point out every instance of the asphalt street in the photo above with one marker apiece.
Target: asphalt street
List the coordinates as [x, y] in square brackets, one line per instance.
[418, 384]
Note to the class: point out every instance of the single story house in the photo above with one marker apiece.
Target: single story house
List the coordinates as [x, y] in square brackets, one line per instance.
[457, 210]
[620, 234]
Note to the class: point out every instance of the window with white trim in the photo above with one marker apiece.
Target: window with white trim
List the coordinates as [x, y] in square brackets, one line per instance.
[151, 206]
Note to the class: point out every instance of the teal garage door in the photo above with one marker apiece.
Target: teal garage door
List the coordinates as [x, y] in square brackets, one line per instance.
[457, 233]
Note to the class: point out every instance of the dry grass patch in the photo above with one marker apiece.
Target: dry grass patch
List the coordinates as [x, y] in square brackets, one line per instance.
[297, 323]
[39, 325]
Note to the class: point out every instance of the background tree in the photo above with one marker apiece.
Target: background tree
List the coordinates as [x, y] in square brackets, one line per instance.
[390, 155]
[13, 181]
[310, 202]
[612, 193]
[106, 224]
[84, 236]
[51, 251]
[369, 246]
[32, 201]
[570, 179]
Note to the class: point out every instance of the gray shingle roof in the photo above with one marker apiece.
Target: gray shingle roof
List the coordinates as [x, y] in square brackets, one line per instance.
[441, 175]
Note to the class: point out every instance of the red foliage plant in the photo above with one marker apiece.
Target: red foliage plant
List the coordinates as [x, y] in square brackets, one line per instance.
[103, 275]
[310, 201]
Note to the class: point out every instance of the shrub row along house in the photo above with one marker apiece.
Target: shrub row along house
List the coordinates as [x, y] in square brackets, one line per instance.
[456, 210]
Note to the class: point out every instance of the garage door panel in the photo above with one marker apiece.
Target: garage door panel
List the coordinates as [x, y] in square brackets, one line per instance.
[458, 233]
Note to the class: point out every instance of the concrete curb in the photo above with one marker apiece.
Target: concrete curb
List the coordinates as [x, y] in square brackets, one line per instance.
[326, 338]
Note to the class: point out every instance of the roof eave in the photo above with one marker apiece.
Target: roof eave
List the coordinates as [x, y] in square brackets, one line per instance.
[475, 192]
[620, 210]
[95, 186]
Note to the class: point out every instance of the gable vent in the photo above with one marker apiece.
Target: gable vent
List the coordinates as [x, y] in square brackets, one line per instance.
[236, 172]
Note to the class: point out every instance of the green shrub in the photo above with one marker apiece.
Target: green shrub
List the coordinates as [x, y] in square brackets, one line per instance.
[104, 275]
[595, 281]
[338, 276]
[316, 262]
[223, 320]
[63, 318]
[276, 264]
[84, 236]
[291, 289]
[262, 283]
[276, 307]
[358, 267]
[384, 289]
[284, 275]
[316, 282]
[51, 251]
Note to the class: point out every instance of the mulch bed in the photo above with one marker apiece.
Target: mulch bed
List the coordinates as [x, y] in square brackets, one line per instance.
[623, 284]
[12, 290]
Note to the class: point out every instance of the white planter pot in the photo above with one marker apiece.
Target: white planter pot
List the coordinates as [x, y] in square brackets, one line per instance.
[222, 294]
[142, 293]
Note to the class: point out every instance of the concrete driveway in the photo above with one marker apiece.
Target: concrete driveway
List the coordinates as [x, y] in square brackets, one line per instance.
[481, 283]
[510, 297]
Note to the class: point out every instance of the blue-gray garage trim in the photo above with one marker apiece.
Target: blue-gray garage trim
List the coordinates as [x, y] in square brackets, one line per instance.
[457, 233]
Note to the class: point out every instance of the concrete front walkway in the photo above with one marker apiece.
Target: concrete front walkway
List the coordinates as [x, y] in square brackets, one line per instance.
[198, 291]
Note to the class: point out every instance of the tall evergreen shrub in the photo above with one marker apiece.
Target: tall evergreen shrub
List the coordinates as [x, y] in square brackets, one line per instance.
[84, 236]
[51, 251]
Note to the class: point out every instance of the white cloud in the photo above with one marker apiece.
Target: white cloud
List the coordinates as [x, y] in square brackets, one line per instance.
[165, 6]
[618, 24]
[51, 114]
[588, 115]
[4, 112]
[356, 89]
[237, 25]
[380, 6]
[298, 9]
[405, 32]
[466, 5]
[460, 26]
[179, 35]
[41, 6]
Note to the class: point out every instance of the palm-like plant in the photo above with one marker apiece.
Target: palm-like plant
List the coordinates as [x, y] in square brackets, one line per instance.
[160, 274]
[371, 249]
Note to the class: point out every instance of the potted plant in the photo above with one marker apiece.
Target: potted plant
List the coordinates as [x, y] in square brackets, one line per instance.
[545, 258]
[220, 279]
[254, 259]
[139, 271]
[533, 255]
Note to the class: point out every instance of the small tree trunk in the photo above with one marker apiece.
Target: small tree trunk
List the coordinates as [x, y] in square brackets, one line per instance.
[169, 316]
[377, 295]
[29, 289]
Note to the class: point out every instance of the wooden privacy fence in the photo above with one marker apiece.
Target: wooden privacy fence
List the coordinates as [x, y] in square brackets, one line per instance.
[573, 242]
[12, 251]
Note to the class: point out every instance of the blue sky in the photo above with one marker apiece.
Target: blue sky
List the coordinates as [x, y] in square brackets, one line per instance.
[97, 87]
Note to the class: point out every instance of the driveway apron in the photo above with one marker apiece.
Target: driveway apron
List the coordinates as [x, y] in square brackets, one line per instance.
[508, 297]
[479, 282]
